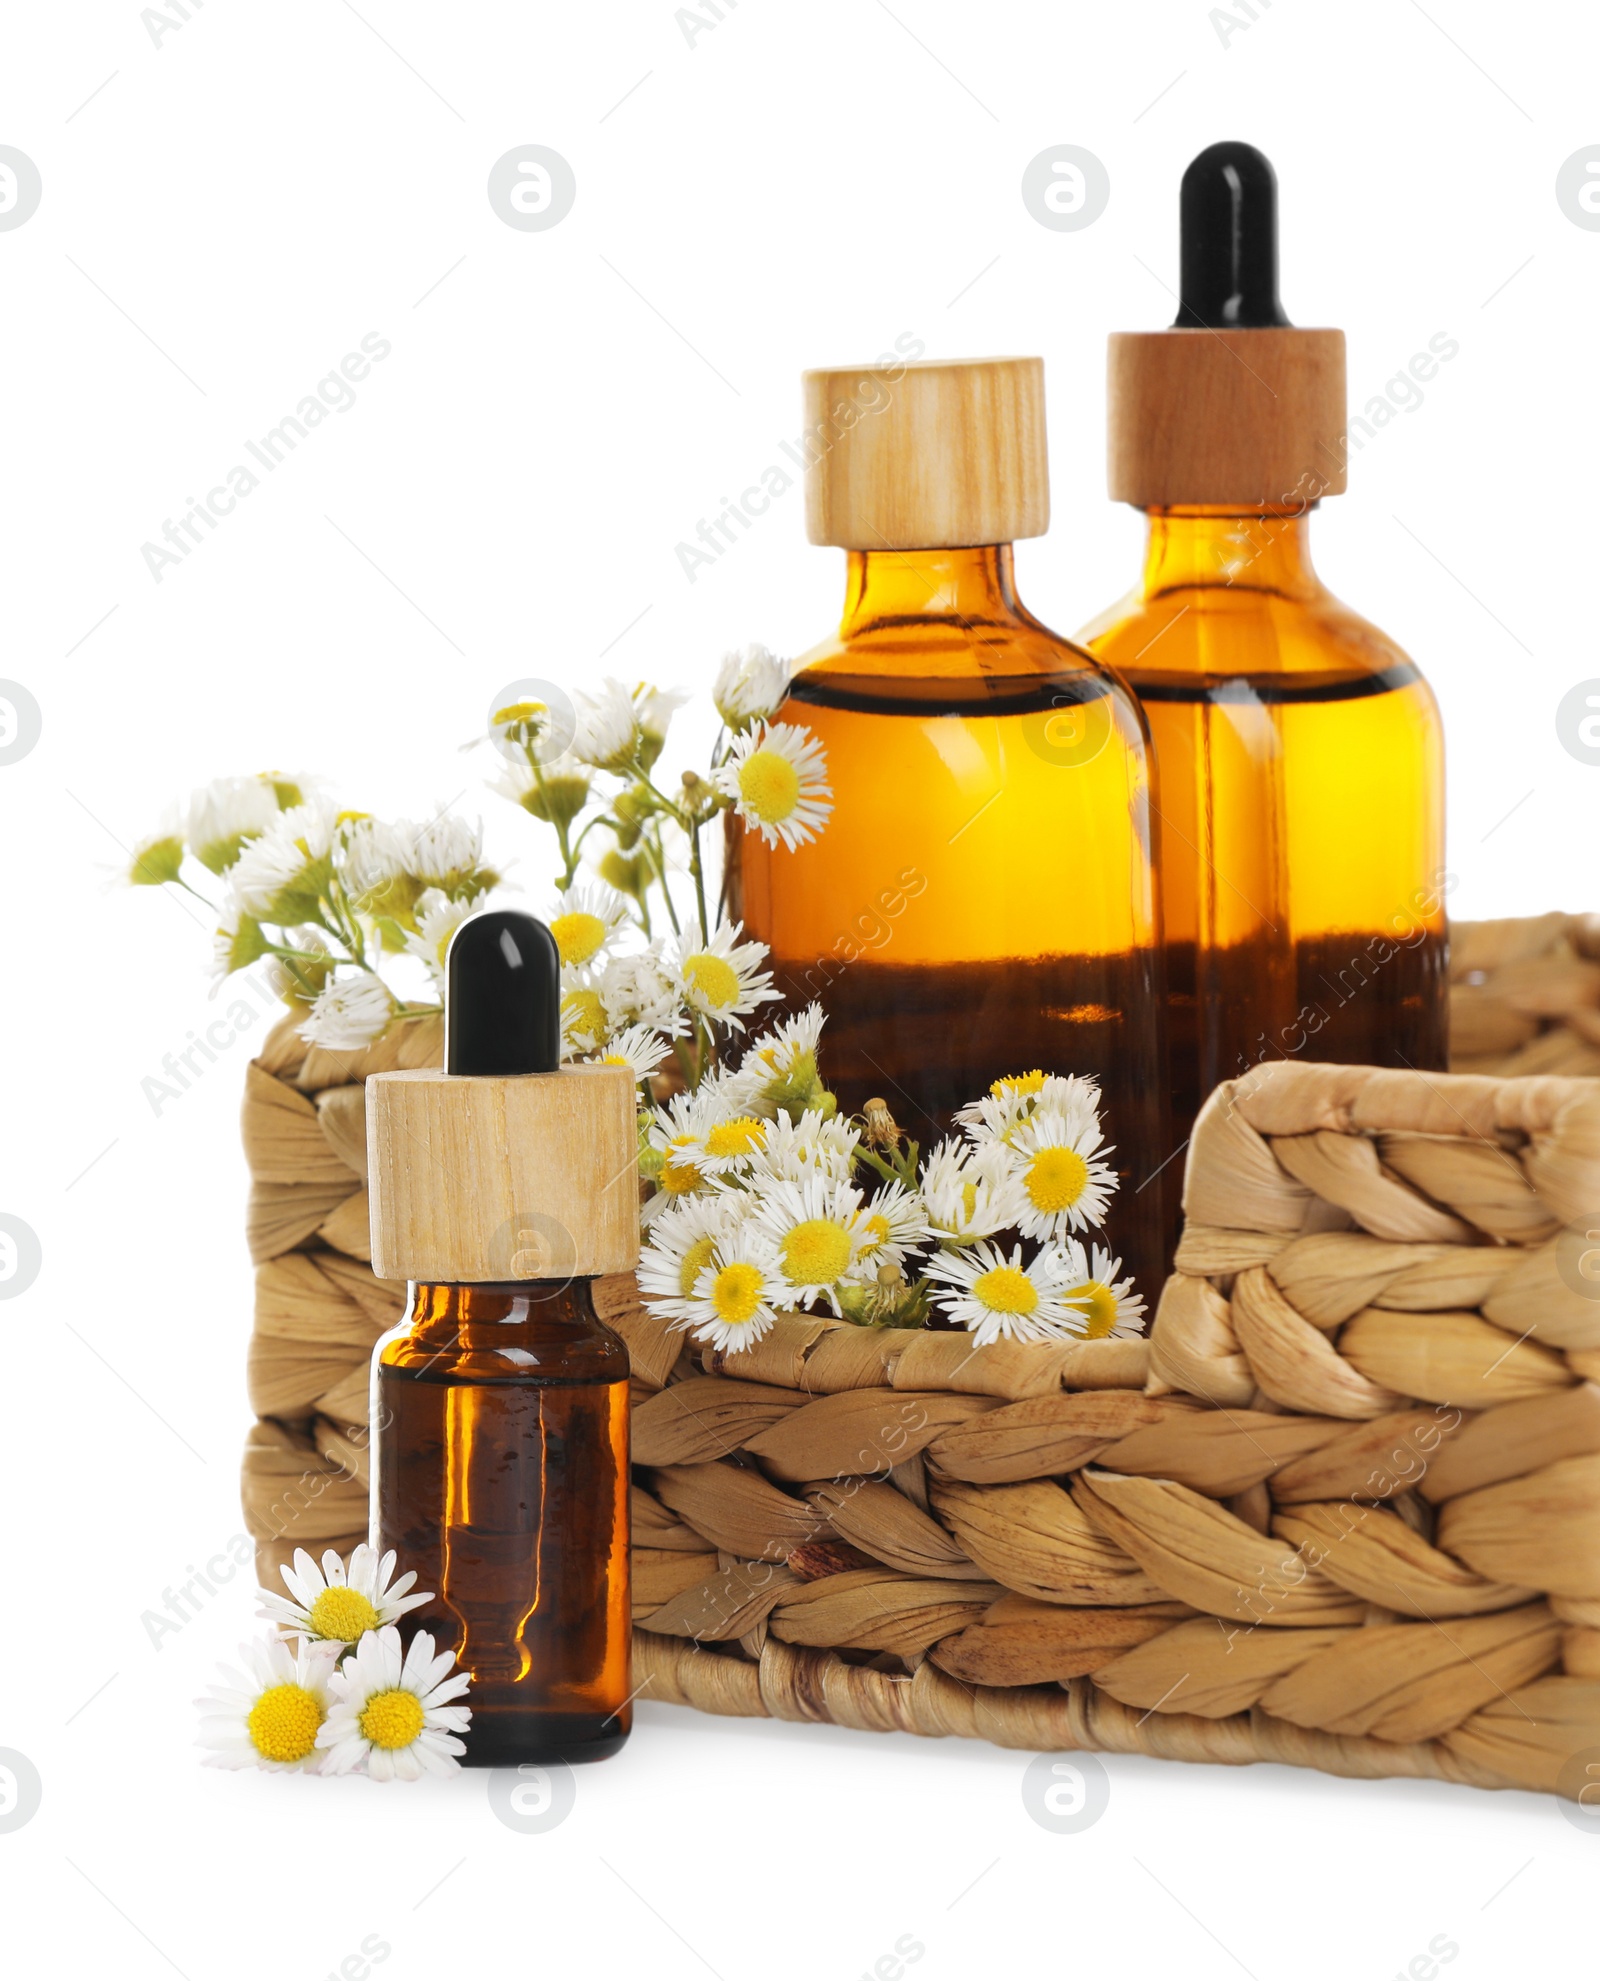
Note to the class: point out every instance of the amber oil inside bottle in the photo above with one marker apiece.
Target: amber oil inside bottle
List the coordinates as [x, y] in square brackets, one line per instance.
[981, 901]
[501, 1477]
[1299, 801]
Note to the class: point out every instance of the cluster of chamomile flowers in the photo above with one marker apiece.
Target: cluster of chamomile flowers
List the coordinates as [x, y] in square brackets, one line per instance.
[331, 1690]
[766, 1202]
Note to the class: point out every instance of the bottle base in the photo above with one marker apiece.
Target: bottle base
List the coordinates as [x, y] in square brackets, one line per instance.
[542, 1739]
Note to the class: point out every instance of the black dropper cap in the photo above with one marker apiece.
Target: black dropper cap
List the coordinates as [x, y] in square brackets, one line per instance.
[1228, 242]
[502, 1006]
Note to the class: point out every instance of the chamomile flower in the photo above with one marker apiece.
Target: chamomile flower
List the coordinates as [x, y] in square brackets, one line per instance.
[777, 777]
[637, 990]
[438, 918]
[1109, 1306]
[1063, 1184]
[392, 1710]
[779, 1069]
[556, 791]
[350, 1013]
[236, 943]
[523, 726]
[654, 709]
[738, 1291]
[280, 876]
[794, 1149]
[680, 1246]
[336, 1604]
[894, 1222]
[373, 858]
[969, 1192]
[999, 1299]
[751, 684]
[158, 857]
[729, 1144]
[640, 1048]
[607, 736]
[675, 1139]
[225, 815]
[722, 978]
[817, 1231]
[445, 852]
[1017, 1097]
[586, 920]
[269, 1714]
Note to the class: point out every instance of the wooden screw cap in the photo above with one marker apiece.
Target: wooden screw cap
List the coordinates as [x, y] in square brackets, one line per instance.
[1255, 417]
[503, 1176]
[926, 456]
[1233, 404]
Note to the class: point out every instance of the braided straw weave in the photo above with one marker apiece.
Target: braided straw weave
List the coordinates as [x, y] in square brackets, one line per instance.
[1525, 995]
[1342, 1509]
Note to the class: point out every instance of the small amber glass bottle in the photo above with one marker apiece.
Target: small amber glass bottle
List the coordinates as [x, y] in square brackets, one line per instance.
[500, 1188]
[981, 902]
[1299, 761]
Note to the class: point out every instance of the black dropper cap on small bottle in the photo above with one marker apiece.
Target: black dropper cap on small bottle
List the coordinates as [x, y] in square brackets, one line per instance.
[1228, 242]
[502, 1006]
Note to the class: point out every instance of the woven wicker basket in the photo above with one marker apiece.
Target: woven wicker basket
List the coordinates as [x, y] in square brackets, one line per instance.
[1525, 996]
[1343, 1508]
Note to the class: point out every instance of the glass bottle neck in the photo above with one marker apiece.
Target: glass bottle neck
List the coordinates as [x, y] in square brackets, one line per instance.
[971, 585]
[1267, 550]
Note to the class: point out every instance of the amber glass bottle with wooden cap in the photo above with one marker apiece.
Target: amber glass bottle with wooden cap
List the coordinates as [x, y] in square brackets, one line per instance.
[500, 1189]
[982, 900]
[1299, 763]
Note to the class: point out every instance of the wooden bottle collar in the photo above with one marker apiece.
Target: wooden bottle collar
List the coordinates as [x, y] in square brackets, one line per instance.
[503, 1176]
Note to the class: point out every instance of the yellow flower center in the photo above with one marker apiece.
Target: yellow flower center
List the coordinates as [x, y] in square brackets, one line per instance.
[969, 1201]
[343, 1614]
[283, 1723]
[680, 1178]
[878, 1228]
[736, 1293]
[578, 936]
[1006, 1290]
[736, 1138]
[1055, 1179]
[695, 1261]
[1098, 1304]
[716, 980]
[392, 1719]
[1017, 1083]
[815, 1253]
[770, 785]
[515, 712]
[584, 1013]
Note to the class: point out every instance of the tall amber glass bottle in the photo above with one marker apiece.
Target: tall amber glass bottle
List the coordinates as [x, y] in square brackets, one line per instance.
[500, 1188]
[982, 900]
[1299, 762]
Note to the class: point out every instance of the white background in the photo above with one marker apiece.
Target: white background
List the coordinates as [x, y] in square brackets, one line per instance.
[226, 217]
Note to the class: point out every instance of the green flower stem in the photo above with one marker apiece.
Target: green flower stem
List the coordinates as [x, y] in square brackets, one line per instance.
[874, 1161]
[697, 871]
[658, 855]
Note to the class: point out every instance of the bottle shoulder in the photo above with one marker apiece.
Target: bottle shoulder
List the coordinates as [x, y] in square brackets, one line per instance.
[1010, 665]
[463, 1335]
[1223, 631]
